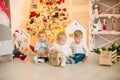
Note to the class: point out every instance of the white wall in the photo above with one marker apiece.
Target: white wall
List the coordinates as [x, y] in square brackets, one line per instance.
[18, 10]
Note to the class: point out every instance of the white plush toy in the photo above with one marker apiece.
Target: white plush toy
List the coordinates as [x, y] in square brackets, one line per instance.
[21, 40]
[97, 26]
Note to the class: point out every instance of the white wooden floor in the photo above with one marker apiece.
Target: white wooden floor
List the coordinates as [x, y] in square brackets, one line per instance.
[90, 70]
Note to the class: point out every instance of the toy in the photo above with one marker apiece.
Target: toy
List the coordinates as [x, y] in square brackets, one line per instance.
[96, 9]
[18, 54]
[107, 57]
[55, 58]
[97, 26]
[18, 49]
[113, 24]
[104, 24]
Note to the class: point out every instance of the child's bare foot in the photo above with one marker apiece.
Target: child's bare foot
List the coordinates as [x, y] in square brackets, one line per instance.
[85, 59]
[26, 59]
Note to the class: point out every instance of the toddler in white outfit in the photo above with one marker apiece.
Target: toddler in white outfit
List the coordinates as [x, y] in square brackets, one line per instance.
[41, 48]
[61, 46]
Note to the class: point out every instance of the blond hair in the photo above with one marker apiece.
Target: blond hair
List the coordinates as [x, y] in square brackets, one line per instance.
[41, 32]
[61, 35]
[78, 33]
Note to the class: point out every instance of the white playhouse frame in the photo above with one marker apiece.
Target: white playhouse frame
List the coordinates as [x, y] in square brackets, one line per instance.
[75, 25]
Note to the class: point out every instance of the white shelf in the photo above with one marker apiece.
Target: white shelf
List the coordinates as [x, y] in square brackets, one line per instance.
[108, 10]
[106, 15]
[107, 32]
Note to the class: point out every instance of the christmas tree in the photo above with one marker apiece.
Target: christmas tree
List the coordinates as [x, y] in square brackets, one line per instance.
[48, 15]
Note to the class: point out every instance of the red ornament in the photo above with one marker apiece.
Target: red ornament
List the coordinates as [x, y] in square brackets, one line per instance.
[51, 3]
[28, 29]
[17, 31]
[65, 18]
[62, 1]
[41, 1]
[32, 14]
[104, 27]
[64, 9]
[59, 2]
[47, 3]
[61, 14]
[44, 20]
[104, 24]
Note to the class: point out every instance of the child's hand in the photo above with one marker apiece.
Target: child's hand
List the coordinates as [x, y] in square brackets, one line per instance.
[85, 59]
[53, 50]
[43, 53]
[40, 54]
[71, 56]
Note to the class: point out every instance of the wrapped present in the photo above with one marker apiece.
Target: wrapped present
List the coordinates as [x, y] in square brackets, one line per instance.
[107, 57]
[114, 56]
[118, 57]
[55, 58]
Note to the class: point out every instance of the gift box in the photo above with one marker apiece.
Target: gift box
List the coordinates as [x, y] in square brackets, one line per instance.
[107, 57]
[55, 58]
